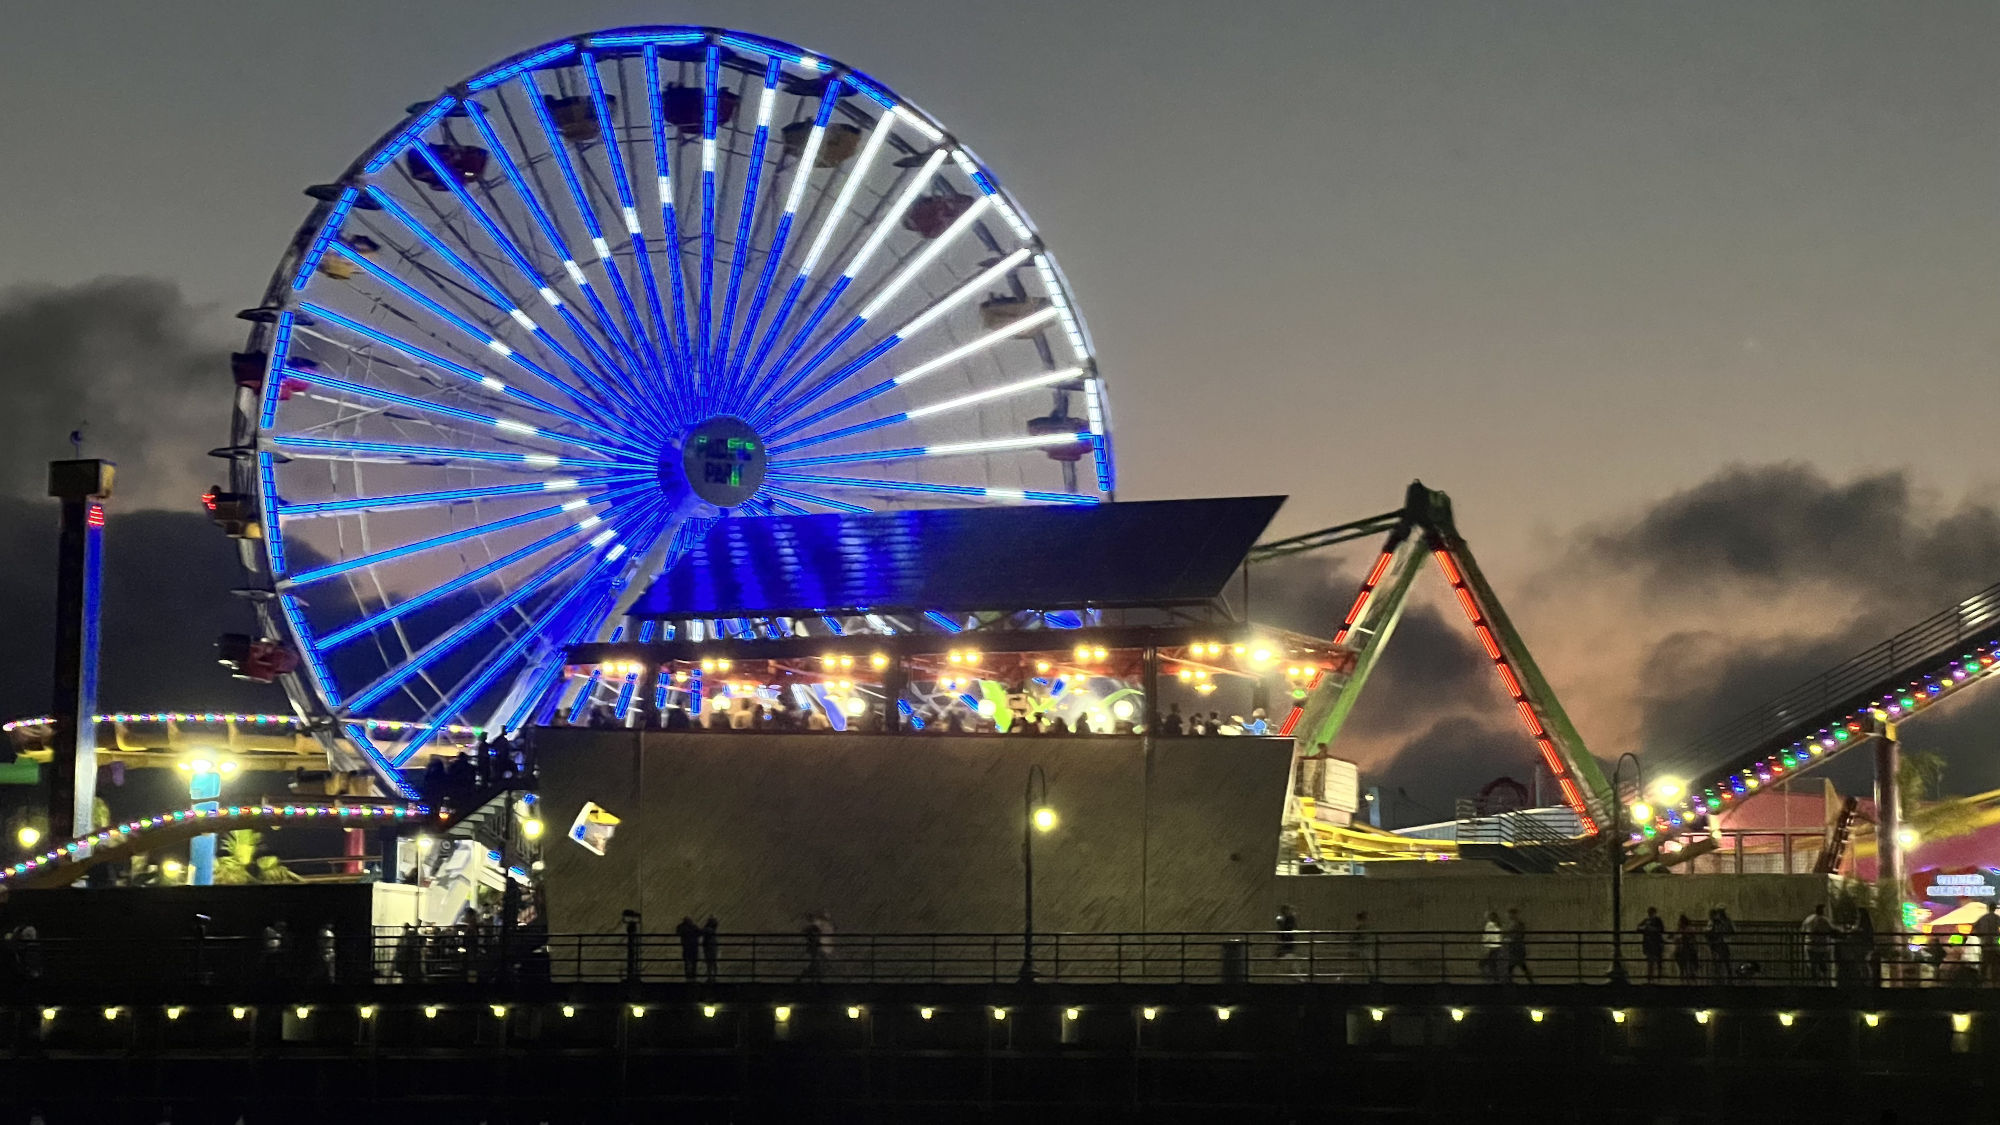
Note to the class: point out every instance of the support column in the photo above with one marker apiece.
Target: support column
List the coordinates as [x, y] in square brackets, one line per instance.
[1888, 829]
[204, 788]
[73, 767]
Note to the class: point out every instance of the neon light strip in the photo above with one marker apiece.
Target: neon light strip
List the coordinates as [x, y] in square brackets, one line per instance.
[801, 177]
[596, 232]
[501, 74]
[508, 425]
[955, 449]
[963, 351]
[499, 661]
[746, 218]
[1047, 378]
[398, 450]
[470, 578]
[328, 232]
[869, 149]
[484, 336]
[775, 50]
[459, 634]
[387, 154]
[630, 207]
[810, 498]
[876, 237]
[528, 272]
[703, 342]
[124, 835]
[210, 717]
[390, 554]
[943, 622]
[916, 265]
[647, 38]
[670, 236]
[430, 359]
[427, 499]
[978, 491]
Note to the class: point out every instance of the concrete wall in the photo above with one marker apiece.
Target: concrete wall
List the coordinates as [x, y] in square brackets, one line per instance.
[909, 834]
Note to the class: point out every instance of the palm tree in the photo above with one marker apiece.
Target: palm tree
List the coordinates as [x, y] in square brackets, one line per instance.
[241, 864]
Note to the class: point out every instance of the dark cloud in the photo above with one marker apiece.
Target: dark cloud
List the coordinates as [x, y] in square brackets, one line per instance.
[1768, 527]
[1452, 758]
[1844, 564]
[130, 361]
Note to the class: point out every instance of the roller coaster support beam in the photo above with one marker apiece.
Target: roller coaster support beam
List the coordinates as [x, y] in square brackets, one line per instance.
[1424, 526]
[80, 485]
[1888, 822]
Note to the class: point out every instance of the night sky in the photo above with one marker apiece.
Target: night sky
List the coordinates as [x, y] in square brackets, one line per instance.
[1689, 307]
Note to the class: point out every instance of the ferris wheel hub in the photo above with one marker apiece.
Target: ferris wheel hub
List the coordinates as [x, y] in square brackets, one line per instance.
[721, 460]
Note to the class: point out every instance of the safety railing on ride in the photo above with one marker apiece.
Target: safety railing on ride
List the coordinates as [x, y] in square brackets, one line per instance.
[1753, 956]
[1912, 651]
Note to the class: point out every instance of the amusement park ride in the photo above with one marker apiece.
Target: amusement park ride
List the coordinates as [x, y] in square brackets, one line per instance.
[581, 307]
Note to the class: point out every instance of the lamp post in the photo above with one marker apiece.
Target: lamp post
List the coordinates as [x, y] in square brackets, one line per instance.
[1036, 816]
[1618, 975]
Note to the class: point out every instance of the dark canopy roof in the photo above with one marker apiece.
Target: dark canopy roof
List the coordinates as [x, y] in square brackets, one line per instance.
[1149, 553]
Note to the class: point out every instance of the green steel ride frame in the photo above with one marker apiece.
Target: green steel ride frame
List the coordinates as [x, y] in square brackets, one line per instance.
[1424, 526]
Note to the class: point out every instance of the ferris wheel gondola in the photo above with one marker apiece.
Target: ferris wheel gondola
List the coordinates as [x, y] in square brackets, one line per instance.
[591, 299]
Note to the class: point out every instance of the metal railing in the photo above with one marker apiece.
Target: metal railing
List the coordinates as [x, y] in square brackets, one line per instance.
[1837, 690]
[1754, 956]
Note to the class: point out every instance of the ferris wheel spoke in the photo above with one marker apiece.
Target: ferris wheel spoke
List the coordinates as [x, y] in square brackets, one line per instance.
[437, 497]
[1035, 321]
[519, 430]
[464, 581]
[828, 223]
[988, 394]
[814, 498]
[670, 223]
[486, 337]
[310, 448]
[947, 449]
[883, 224]
[542, 284]
[589, 375]
[671, 361]
[711, 69]
[535, 695]
[801, 179]
[974, 491]
[746, 218]
[878, 300]
[498, 661]
[449, 641]
[637, 343]
[485, 381]
[491, 527]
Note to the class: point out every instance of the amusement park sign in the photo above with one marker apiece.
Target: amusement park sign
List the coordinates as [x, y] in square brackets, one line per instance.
[1938, 885]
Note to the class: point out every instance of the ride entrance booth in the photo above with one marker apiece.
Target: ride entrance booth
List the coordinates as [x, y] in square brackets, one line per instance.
[835, 713]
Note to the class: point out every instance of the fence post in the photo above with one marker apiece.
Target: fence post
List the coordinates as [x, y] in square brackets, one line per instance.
[1312, 948]
[1058, 956]
[1444, 962]
[1183, 958]
[753, 957]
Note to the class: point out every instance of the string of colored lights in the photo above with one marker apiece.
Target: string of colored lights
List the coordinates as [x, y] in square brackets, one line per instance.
[211, 819]
[1717, 793]
[215, 718]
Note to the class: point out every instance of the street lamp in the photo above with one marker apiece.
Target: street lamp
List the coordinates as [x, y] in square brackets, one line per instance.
[1618, 975]
[1036, 816]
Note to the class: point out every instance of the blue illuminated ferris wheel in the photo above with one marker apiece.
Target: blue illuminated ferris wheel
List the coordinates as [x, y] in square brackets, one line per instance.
[595, 297]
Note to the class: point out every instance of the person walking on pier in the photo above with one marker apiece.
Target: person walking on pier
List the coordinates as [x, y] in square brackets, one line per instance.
[710, 942]
[690, 935]
[1987, 930]
[1288, 931]
[1687, 951]
[1653, 943]
[1720, 930]
[1517, 946]
[1818, 929]
[1490, 951]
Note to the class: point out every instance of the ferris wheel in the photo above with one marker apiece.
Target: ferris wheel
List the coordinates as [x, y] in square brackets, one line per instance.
[593, 298]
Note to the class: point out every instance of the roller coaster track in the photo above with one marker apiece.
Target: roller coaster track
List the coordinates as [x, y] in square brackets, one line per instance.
[67, 862]
[1842, 707]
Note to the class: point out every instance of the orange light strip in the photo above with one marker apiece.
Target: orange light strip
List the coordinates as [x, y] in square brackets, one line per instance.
[1571, 794]
[1361, 597]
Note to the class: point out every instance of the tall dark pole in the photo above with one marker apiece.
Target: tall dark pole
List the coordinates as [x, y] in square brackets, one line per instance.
[73, 767]
[1035, 775]
[1888, 824]
[1618, 975]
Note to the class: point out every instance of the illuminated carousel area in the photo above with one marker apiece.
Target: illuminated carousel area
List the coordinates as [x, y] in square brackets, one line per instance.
[804, 703]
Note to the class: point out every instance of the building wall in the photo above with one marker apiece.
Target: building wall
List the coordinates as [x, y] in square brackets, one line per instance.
[916, 834]
[912, 834]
